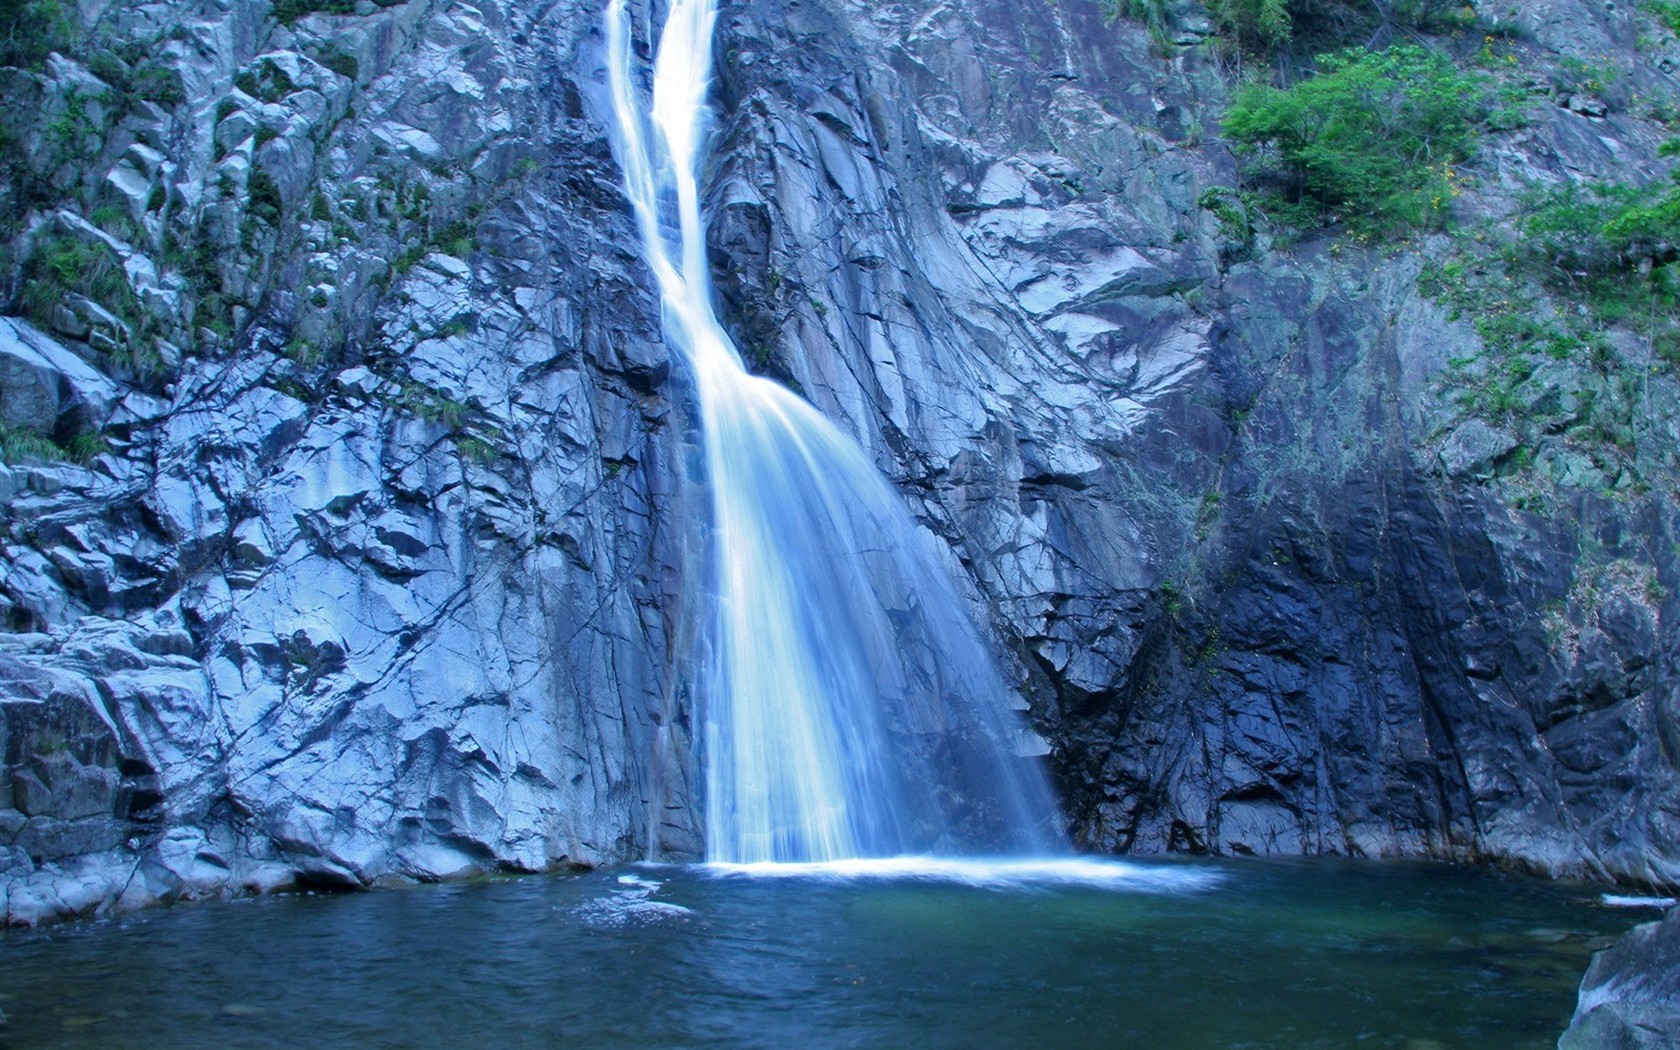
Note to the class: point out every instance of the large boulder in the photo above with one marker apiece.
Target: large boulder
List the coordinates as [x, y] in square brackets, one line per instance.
[1630, 998]
[44, 387]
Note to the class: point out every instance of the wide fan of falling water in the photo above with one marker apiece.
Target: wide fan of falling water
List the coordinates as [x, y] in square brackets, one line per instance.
[850, 708]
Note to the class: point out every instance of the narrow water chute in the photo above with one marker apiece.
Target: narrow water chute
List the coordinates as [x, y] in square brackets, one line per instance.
[850, 709]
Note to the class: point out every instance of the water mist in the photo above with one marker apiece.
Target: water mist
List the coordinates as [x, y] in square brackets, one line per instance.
[849, 708]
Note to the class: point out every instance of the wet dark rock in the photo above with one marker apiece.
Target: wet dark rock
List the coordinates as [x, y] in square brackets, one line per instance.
[1630, 998]
[1267, 588]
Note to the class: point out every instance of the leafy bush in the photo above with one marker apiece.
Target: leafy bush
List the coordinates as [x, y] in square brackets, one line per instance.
[30, 30]
[1665, 11]
[1436, 16]
[62, 266]
[266, 204]
[289, 11]
[1253, 24]
[343, 63]
[1273, 25]
[159, 84]
[1375, 132]
[1616, 250]
[1606, 228]
[265, 80]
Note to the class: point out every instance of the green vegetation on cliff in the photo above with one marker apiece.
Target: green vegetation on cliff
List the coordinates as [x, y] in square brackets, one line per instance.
[1572, 287]
[1576, 299]
[32, 29]
[1600, 231]
[1375, 133]
[1303, 26]
[289, 11]
[1665, 11]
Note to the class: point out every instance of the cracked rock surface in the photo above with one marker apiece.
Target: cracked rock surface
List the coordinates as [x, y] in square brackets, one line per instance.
[378, 580]
[372, 562]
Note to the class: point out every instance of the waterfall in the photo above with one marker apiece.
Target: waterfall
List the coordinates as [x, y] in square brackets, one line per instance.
[849, 707]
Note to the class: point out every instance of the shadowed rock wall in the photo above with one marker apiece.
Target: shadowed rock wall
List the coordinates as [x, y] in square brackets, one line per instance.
[1267, 583]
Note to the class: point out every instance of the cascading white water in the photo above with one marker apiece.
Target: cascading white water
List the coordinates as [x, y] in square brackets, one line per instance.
[850, 708]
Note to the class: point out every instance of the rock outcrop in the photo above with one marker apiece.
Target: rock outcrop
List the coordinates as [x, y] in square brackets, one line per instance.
[367, 559]
[1630, 998]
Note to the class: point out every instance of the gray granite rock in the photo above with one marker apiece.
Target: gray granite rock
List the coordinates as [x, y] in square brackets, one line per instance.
[45, 388]
[382, 573]
[1630, 998]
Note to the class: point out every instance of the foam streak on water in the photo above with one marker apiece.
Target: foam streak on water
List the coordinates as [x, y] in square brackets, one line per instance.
[996, 873]
[850, 709]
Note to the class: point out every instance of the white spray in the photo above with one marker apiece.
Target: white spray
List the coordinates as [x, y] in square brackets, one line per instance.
[849, 707]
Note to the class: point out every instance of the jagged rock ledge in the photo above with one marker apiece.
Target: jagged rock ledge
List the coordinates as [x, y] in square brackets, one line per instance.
[1630, 998]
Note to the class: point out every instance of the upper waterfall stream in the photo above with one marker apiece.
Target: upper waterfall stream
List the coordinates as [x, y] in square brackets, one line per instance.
[850, 708]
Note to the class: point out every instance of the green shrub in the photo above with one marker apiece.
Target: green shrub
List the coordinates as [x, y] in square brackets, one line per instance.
[1435, 16]
[1374, 133]
[1253, 24]
[86, 447]
[108, 66]
[212, 314]
[30, 30]
[477, 450]
[266, 204]
[1606, 228]
[266, 81]
[289, 11]
[1152, 13]
[344, 64]
[428, 403]
[1294, 25]
[1665, 11]
[19, 444]
[114, 220]
[1228, 207]
[456, 239]
[62, 266]
[159, 84]
[1615, 250]
[305, 352]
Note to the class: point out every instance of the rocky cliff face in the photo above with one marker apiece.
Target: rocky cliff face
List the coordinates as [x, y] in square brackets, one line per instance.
[374, 565]
[1270, 586]
[379, 575]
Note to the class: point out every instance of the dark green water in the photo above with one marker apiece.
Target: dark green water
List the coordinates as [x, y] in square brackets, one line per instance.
[1298, 954]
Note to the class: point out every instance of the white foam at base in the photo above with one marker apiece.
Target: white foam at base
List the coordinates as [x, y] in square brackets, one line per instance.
[1612, 900]
[985, 872]
[631, 904]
